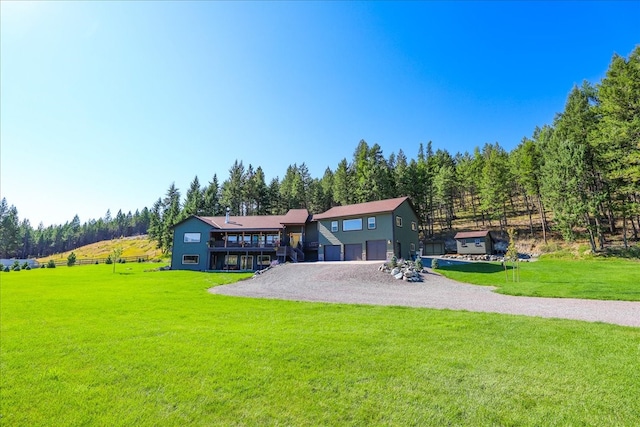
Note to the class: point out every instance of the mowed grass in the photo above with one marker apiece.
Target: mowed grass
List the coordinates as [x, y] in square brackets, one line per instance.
[605, 279]
[84, 346]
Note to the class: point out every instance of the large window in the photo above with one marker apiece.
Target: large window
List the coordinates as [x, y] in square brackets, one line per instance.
[246, 262]
[272, 239]
[371, 223]
[352, 224]
[231, 262]
[264, 260]
[190, 259]
[232, 240]
[398, 221]
[191, 237]
[334, 226]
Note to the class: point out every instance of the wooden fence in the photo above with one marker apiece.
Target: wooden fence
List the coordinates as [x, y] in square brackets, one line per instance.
[87, 261]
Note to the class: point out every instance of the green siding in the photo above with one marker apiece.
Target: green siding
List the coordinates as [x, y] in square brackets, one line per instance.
[405, 235]
[180, 248]
[385, 230]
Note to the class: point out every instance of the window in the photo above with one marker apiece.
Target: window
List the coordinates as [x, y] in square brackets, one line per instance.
[334, 226]
[272, 239]
[398, 221]
[190, 259]
[232, 240]
[478, 242]
[371, 223]
[463, 243]
[231, 261]
[246, 240]
[414, 226]
[191, 237]
[246, 262]
[264, 260]
[352, 224]
[412, 247]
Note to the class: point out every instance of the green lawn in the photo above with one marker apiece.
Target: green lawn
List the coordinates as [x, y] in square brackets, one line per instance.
[83, 346]
[606, 279]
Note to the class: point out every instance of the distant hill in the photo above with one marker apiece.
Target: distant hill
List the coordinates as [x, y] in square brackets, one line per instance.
[135, 246]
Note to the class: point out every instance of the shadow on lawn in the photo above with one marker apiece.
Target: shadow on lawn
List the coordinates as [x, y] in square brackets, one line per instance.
[475, 267]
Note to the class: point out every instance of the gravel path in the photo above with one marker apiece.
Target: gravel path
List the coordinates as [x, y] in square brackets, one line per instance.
[362, 283]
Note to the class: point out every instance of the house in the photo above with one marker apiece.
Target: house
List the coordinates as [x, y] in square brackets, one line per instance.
[368, 231]
[238, 242]
[365, 231]
[474, 242]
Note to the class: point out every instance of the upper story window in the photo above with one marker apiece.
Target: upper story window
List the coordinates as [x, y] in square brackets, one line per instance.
[334, 226]
[398, 221]
[371, 223]
[191, 237]
[414, 226]
[352, 224]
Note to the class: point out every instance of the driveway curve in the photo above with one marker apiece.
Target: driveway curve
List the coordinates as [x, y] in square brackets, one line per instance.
[362, 283]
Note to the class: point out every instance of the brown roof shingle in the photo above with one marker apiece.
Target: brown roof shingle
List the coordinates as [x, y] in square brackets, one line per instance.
[471, 234]
[239, 223]
[380, 206]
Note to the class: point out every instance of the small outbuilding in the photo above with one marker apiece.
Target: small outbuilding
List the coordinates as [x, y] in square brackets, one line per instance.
[475, 242]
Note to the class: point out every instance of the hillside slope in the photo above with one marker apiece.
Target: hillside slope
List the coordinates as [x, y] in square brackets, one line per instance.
[135, 246]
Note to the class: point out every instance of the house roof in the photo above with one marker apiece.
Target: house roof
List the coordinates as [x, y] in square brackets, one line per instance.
[240, 223]
[257, 222]
[380, 206]
[296, 216]
[471, 234]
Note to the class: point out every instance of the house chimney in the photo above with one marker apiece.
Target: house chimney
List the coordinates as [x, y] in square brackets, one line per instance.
[226, 218]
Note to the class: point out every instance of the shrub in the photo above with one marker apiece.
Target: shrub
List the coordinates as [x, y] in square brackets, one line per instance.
[434, 264]
[43, 266]
[122, 261]
[25, 265]
[6, 269]
[394, 262]
[108, 260]
[418, 264]
[71, 259]
[28, 267]
[51, 264]
[16, 267]
[97, 262]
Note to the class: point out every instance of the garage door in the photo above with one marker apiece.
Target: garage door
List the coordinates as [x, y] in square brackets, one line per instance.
[353, 252]
[376, 250]
[332, 252]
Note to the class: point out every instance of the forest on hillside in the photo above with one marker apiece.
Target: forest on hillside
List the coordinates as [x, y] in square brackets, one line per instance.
[578, 176]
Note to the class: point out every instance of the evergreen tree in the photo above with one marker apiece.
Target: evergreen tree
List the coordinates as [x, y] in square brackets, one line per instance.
[211, 198]
[194, 199]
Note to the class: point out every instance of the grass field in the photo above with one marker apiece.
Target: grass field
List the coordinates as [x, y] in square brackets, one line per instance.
[84, 346]
[135, 246]
[605, 279]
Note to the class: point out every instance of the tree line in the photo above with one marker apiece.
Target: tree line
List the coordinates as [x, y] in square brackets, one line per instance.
[582, 171]
[18, 239]
[578, 175]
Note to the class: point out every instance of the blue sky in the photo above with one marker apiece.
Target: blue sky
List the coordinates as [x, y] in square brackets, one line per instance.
[105, 104]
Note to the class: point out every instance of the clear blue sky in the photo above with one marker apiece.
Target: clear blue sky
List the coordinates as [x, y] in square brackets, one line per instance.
[105, 104]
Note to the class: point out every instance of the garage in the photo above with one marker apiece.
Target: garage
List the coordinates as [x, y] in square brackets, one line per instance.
[376, 250]
[332, 252]
[353, 252]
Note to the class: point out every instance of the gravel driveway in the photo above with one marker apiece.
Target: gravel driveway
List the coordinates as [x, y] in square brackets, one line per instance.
[362, 283]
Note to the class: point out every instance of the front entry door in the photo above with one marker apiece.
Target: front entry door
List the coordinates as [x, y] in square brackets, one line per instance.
[294, 239]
